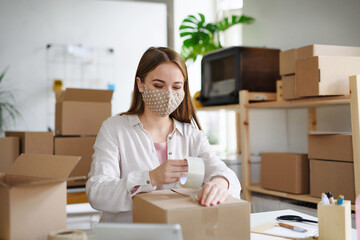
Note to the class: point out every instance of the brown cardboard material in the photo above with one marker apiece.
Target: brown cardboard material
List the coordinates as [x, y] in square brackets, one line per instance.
[288, 58]
[76, 146]
[81, 111]
[286, 172]
[289, 87]
[332, 176]
[33, 196]
[330, 146]
[230, 220]
[34, 142]
[9, 151]
[326, 50]
[321, 76]
[287, 62]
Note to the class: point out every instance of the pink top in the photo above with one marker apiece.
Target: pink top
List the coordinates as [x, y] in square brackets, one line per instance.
[161, 150]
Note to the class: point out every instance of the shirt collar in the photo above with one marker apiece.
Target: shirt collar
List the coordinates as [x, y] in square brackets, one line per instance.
[135, 120]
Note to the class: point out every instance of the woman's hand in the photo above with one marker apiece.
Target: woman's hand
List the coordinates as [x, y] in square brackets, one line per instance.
[168, 172]
[214, 192]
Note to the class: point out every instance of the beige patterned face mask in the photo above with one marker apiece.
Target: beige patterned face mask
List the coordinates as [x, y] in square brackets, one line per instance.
[162, 102]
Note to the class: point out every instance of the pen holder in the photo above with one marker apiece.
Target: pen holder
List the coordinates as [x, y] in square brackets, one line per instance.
[334, 221]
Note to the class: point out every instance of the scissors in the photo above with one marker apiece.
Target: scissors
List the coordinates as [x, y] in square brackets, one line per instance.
[294, 218]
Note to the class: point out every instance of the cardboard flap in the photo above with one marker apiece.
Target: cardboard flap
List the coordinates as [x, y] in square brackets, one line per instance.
[85, 95]
[43, 166]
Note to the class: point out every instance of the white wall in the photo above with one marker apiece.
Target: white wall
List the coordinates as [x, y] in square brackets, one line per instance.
[183, 8]
[27, 26]
[289, 24]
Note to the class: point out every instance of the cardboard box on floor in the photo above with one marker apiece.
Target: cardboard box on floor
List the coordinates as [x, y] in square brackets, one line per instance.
[76, 146]
[332, 176]
[289, 87]
[286, 172]
[9, 151]
[330, 146]
[321, 76]
[34, 142]
[288, 58]
[230, 220]
[33, 196]
[81, 111]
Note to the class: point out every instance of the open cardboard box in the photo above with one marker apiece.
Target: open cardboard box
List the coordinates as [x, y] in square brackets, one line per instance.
[81, 111]
[230, 220]
[33, 196]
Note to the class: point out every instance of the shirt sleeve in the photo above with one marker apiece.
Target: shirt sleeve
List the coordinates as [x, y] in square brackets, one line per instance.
[105, 190]
[215, 167]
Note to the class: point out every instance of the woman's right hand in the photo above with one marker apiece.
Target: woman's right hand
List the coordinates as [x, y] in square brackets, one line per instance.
[168, 172]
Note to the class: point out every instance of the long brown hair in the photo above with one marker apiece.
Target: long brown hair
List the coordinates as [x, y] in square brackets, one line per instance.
[152, 58]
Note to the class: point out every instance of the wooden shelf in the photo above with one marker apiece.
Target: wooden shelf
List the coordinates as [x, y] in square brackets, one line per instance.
[301, 197]
[76, 197]
[253, 96]
[302, 103]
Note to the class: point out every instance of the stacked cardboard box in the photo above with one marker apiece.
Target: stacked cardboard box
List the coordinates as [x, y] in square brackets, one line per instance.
[318, 70]
[285, 172]
[331, 164]
[79, 115]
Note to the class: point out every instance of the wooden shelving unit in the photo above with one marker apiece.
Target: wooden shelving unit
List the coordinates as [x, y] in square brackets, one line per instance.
[247, 101]
[311, 104]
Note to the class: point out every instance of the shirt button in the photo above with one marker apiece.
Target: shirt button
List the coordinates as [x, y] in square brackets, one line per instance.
[169, 137]
[148, 182]
[170, 153]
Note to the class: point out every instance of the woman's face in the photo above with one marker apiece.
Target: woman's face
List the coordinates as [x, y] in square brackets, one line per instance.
[166, 76]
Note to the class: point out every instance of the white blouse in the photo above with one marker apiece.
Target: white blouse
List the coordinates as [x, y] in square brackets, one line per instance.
[124, 155]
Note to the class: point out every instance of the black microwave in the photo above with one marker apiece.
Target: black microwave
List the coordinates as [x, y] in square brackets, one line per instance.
[226, 71]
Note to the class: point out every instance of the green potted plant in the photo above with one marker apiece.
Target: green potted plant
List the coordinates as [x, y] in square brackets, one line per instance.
[8, 112]
[201, 37]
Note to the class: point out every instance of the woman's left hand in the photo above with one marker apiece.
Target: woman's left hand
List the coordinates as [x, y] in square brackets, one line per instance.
[214, 192]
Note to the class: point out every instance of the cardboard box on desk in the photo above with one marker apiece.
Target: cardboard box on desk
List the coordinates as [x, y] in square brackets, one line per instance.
[81, 111]
[9, 151]
[330, 146]
[76, 146]
[33, 196]
[230, 220]
[34, 142]
[321, 76]
[332, 176]
[286, 172]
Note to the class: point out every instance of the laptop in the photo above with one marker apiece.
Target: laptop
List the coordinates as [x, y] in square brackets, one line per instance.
[137, 231]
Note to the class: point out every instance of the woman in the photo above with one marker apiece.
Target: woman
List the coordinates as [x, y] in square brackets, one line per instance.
[143, 149]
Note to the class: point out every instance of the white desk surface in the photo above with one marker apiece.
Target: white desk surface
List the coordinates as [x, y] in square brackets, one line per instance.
[263, 217]
[260, 218]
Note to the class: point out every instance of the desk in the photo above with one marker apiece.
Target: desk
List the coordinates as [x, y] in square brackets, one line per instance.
[263, 217]
[260, 218]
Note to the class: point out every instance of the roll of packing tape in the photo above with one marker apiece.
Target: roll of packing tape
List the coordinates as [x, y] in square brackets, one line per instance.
[67, 235]
[196, 173]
